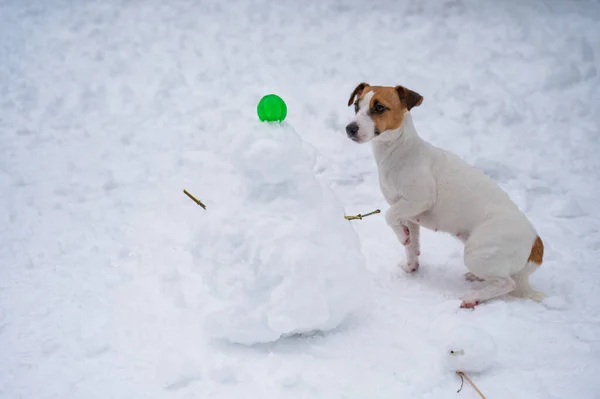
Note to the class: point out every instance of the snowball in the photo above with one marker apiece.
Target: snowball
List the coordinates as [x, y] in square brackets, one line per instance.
[468, 349]
[279, 258]
[460, 346]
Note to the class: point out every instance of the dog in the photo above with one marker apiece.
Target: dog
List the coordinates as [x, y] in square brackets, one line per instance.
[427, 186]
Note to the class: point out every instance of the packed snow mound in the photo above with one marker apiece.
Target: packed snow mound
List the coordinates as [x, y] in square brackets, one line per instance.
[461, 346]
[469, 349]
[280, 258]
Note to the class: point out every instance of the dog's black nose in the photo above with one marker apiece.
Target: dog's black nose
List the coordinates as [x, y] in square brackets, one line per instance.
[352, 129]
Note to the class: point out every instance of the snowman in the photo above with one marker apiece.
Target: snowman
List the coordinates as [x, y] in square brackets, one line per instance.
[279, 259]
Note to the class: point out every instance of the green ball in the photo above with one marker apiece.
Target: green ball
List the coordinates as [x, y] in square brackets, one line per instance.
[271, 108]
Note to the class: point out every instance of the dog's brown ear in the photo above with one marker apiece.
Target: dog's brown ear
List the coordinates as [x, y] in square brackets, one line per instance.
[357, 91]
[410, 98]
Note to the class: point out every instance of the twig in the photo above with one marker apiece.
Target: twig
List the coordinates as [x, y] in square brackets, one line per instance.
[461, 374]
[196, 200]
[359, 216]
[462, 382]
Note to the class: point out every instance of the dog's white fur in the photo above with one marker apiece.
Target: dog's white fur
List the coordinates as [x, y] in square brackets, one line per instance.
[430, 187]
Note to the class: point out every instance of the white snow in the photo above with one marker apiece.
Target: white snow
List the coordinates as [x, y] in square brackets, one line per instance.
[111, 108]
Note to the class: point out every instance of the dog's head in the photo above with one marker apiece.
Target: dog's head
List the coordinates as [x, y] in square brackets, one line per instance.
[379, 109]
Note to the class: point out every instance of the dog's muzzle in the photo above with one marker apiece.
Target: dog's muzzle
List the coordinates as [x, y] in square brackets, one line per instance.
[352, 130]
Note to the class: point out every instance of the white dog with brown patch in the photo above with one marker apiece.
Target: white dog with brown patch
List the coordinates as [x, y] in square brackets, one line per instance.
[430, 187]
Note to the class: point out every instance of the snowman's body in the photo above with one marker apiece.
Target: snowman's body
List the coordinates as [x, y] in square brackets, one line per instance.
[282, 259]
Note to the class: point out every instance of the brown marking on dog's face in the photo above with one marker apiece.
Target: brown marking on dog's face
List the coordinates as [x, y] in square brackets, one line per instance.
[357, 92]
[386, 109]
[379, 109]
[537, 252]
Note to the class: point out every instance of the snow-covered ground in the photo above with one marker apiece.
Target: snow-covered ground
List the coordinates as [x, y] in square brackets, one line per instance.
[110, 108]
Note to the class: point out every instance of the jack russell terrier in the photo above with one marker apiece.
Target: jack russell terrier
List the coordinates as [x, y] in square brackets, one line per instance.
[430, 187]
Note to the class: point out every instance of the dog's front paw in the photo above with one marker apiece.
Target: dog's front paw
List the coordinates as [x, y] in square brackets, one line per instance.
[409, 267]
[471, 277]
[469, 304]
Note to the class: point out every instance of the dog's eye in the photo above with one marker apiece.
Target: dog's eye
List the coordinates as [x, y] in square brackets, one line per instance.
[356, 108]
[379, 108]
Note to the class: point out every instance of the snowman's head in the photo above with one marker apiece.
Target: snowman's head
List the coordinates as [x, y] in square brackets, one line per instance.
[379, 110]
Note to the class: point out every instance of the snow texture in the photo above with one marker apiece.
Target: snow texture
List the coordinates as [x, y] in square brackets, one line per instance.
[110, 108]
[280, 259]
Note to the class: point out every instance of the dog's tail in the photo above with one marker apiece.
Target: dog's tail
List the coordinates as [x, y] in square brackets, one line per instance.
[523, 289]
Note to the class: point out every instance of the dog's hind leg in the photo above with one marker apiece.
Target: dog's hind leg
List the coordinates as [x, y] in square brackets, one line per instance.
[496, 251]
[487, 258]
[471, 277]
[496, 287]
